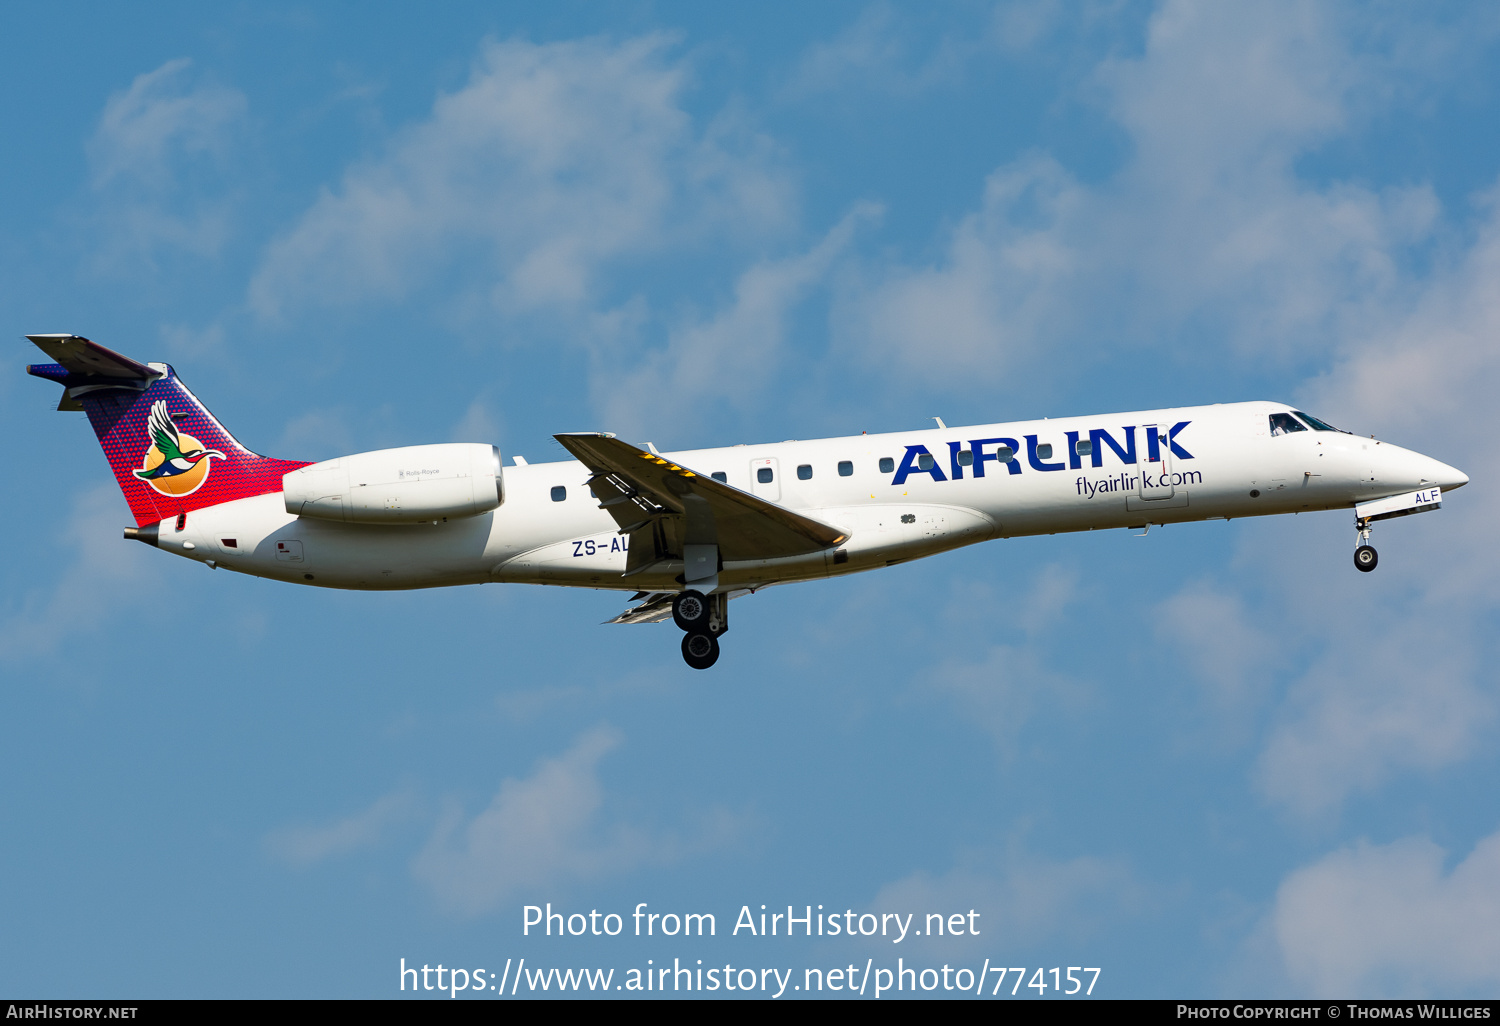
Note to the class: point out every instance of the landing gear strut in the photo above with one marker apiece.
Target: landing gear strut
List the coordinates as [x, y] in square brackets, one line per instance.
[703, 618]
[1365, 557]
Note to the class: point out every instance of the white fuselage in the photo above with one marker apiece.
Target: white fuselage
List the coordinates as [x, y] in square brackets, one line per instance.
[1234, 467]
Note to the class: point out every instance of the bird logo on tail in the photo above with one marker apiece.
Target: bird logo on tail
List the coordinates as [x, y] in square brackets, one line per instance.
[175, 464]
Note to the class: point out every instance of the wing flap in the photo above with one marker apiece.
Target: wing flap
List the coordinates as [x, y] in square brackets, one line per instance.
[645, 492]
[656, 608]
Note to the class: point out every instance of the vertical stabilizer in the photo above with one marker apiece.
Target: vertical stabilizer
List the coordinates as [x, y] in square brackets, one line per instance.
[168, 453]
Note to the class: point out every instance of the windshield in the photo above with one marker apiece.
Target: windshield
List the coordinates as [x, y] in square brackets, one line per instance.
[1285, 424]
[1317, 425]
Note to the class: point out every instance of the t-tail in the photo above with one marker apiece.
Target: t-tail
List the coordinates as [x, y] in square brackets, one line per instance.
[169, 454]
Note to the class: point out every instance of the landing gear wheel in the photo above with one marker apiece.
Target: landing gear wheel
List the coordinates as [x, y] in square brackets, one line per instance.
[690, 611]
[1365, 558]
[700, 650]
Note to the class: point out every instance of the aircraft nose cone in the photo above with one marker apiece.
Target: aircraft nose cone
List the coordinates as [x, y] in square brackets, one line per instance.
[1447, 478]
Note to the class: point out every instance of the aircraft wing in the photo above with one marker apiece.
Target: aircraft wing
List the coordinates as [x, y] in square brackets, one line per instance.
[663, 506]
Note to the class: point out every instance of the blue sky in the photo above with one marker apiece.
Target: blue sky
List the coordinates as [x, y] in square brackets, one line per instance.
[1214, 760]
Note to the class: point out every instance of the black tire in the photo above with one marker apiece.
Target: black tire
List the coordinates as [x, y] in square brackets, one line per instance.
[690, 611]
[700, 649]
[1365, 558]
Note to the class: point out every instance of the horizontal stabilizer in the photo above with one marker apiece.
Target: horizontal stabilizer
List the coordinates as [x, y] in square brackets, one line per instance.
[78, 355]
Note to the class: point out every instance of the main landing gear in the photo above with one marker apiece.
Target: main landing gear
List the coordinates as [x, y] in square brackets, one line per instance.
[703, 618]
[1365, 557]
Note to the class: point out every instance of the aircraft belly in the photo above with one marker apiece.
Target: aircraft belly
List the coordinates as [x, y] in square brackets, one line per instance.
[258, 537]
[597, 561]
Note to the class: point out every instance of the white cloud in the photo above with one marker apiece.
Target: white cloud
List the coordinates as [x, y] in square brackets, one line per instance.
[317, 435]
[477, 424]
[146, 127]
[1000, 694]
[884, 52]
[1208, 230]
[1206, 221]
[1237, 662]
[1054, 588]
[1391, 697]
[1341, 682]
[157, 155]
[553, 162]
[725, 360]
[547, 830]
[1023, 898]
[995, 293]
[1396, 687]
[1426, 378]
[305, 845]
[875, 54]
[1389, 920]
[198, 343]
[1001, 691]
[105, 577]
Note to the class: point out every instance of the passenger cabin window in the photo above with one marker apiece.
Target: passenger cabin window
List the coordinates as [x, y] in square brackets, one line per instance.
[764, 475]
[887, 465]
[559, 493]
[1284, 424]
[966, 458]
[804, 472]
[1005, 454]
[1084, 447]
[720, 477]
[925, 461]
[1314, 422]
[846, 468]
[1044, 452]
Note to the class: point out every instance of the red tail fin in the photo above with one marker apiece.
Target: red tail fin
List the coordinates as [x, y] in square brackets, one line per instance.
[169, 454]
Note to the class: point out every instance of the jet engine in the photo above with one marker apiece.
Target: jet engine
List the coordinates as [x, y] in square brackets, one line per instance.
[411, 485]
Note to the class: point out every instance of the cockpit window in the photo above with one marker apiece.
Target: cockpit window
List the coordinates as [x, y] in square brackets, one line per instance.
[1285, 424]
[1314, 422]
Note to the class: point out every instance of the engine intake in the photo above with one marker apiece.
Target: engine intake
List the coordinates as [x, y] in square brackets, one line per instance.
[411, 485]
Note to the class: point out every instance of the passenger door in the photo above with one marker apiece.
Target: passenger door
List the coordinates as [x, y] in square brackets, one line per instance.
[1160, 470]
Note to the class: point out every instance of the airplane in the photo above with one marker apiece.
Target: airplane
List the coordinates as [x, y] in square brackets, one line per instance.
[687, 531]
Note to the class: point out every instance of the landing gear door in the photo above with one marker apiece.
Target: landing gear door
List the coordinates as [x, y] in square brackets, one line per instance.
[765, 479]
[1156, 473]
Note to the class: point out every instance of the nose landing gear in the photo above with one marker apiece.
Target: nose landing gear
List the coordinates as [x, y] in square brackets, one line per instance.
[703, 618]
[1365, 557]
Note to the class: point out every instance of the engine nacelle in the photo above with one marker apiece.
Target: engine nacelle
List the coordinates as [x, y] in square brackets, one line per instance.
[410, 485]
